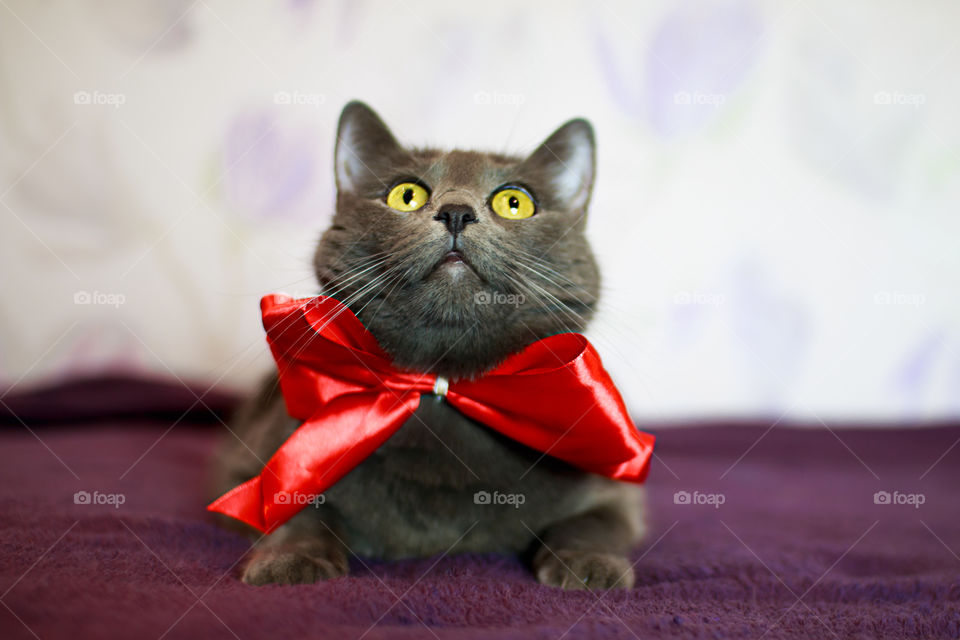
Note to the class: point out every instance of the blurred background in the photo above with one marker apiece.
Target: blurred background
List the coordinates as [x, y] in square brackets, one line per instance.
[776, 208]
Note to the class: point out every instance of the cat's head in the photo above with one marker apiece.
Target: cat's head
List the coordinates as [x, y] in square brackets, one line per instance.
[456, 259]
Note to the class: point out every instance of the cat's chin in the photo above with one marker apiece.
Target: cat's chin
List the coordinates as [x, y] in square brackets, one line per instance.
[455, 271]
[444, 348]
[454, 280]
[455, 267]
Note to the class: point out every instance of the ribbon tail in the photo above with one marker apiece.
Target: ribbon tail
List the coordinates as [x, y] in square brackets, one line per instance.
[243, 503]
[318, 454]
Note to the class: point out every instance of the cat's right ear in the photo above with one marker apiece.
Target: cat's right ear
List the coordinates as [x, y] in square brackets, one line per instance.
[564, 165]
[365, 149]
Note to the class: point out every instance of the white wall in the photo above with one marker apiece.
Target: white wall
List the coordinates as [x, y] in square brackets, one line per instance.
[776, 209]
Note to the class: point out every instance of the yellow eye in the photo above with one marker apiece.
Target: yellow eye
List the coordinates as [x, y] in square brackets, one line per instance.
[407, 196]
[513, 204]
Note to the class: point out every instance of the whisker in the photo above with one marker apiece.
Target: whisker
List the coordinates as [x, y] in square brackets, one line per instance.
[341, 282]
[549, 281]
[577, 318]
[402, 276]
[539, 262]
[525, 285]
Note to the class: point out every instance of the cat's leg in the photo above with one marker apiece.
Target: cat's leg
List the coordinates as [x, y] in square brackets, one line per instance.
[305, 549]
[589, 550]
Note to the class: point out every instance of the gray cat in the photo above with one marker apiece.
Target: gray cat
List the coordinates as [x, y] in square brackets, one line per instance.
[453, 260]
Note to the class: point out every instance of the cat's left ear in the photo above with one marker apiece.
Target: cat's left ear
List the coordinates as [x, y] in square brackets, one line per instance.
[564, 164]
[365, 151]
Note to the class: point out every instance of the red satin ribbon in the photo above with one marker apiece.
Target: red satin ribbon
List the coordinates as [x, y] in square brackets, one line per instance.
[553, 396]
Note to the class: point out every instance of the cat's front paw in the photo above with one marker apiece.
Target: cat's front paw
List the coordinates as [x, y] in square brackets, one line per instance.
[287, 566]
[584, 570]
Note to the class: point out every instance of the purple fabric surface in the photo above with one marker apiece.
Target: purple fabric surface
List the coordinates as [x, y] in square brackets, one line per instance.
[114, 396]
[798, 519]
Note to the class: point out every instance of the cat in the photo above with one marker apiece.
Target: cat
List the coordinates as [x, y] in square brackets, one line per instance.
[453, 260]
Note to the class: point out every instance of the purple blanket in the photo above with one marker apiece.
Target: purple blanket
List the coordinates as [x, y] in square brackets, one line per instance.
[775, 534]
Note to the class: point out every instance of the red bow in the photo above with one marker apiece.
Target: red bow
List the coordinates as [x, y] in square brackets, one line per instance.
[553, 396]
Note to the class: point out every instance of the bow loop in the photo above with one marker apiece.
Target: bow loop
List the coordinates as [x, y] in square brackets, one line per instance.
[319, 341]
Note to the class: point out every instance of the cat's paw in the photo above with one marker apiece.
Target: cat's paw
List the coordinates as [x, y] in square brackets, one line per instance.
[287, 566]
[585, 570]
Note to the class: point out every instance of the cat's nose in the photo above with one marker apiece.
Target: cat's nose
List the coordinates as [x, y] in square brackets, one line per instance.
[456, 217]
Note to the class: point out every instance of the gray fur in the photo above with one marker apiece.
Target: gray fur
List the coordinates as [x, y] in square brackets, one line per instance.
[415, 496]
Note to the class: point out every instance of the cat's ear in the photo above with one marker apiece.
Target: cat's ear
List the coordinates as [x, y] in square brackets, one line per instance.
[564, 164]
[365, 147]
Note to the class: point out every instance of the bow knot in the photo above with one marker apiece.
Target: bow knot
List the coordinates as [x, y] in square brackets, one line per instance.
[440, 386]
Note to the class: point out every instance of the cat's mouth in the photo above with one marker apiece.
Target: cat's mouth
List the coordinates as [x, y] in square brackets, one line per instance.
[453, 259]
[454, 263]
[452, 256]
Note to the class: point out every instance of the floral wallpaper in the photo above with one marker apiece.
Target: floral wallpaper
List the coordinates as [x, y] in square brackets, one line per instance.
[776, 209]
